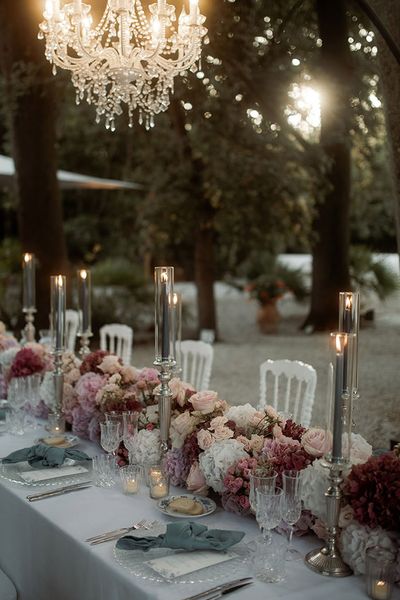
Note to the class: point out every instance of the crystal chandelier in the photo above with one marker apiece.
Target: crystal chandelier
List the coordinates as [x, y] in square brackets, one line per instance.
[131, 56]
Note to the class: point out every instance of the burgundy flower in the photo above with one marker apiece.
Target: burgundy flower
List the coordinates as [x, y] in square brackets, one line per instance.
[293, 430]
[92, 361]
[373, 491]
[26, 362]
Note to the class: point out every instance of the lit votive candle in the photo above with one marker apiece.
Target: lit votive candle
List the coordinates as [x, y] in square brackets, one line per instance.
[158, 490]
[131, 486]
[130, 479]
[380, 590]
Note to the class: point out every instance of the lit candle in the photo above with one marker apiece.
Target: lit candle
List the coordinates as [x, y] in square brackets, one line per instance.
[158, 490]
[58, 311]
[84, 293]
[194, 5]
[338, 400]
[165, 318]
[131, 486]
[28, 266]
[380, 590]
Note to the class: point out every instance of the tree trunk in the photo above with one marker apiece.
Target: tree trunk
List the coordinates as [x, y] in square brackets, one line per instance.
[204, 251]
[330, 252]
[32, 108]
[204, 261]
[389, 13]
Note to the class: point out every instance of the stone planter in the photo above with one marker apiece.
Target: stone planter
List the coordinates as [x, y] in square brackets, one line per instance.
[268, 317]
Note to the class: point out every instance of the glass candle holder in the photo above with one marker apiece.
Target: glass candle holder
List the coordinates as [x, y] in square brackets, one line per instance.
[56, 424]
[58, 307]
[164, 315]
[158, 484]
[130, 478]
[380, 573]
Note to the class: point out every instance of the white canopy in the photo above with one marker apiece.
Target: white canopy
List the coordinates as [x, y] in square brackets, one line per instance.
[68, 180]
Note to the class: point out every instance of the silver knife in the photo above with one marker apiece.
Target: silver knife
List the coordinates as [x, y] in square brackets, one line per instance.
[59, 491]
[219, 590]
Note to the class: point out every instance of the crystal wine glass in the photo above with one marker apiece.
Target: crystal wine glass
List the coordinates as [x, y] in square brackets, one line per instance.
[110, 436]
[291, 506]
[269, 511]
[259, 480]
[130, 424]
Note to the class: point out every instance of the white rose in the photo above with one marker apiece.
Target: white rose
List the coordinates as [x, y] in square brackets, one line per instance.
[146, 447]
[241, 415]
[181, 427]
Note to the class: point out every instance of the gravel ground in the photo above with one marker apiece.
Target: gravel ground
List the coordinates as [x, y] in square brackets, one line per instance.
[242, 348]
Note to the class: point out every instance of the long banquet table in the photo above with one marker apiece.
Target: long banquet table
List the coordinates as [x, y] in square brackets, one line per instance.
[42, 547]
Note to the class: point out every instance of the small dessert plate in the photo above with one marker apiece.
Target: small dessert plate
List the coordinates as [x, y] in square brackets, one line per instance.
[64, 440]
[186, 506]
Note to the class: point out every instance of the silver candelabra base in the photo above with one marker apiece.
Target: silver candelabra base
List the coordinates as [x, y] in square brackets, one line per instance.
[166, 369]
[29, 329]
[327, 560]
[85, 344]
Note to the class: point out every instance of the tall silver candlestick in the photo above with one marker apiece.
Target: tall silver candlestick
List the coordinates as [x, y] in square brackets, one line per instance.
[327, 560]
[58, 377]
[164, 346]
[29, 295]
[85, 313]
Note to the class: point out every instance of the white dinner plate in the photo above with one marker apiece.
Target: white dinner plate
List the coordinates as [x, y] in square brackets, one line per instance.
[69, 440]
[208, 505]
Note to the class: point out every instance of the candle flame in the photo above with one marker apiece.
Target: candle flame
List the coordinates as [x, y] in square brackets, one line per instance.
[164, 277]
[175, 298]
[380, 583]
[348, 302]
[28, 257]
[59, 280]
[83, 274]
[338, 343]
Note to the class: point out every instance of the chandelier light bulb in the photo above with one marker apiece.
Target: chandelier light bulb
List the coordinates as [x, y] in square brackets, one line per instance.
[130, 57]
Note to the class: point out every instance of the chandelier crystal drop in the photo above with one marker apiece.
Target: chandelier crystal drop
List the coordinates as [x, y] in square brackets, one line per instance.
[131, 56]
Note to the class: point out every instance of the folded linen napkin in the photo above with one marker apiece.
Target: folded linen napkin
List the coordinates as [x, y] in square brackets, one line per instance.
[185, 535]
[45, 456]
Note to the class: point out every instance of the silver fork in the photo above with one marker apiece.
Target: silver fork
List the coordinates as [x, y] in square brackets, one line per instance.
[113, 535]
[137, 525]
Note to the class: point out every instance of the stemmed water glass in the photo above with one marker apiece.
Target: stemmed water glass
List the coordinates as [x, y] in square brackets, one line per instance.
[110, 436]
[259, 480]
[130, 424]
[291, 506]
[268, 558]
[269, 511]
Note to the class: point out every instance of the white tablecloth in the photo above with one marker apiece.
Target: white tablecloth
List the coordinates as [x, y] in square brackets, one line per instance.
[42, 547]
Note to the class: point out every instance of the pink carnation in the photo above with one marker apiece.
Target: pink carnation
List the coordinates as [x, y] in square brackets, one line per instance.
[286, 456]
[26, 362]
[86, 390]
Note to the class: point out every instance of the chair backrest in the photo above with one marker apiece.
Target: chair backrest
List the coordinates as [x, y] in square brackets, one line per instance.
[197, 358]
[117, 338]
[71, 328]
[288, 386]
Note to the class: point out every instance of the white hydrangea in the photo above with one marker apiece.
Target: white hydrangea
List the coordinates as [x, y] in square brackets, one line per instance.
[356, 539]
[215, 461]
[360, 450]
[146, 446]
[314, 480]
[47, 390]
[241, 415]
[7, 356]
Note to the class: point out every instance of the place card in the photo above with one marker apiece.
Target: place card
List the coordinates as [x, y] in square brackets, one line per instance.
[182, 563]
[42, 474]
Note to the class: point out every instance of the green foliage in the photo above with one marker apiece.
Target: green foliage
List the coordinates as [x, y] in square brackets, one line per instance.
[369, 274]
[268, 279]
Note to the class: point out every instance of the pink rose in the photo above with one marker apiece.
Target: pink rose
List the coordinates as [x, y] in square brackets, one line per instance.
[316, 442]
[110, 364]
[205, 439]
[271, 412]
[204, 402]
[217, 422]
[179, 390]
[256, 443]
[222, 433]
[129, 374]
[346, 516]
[195, 480]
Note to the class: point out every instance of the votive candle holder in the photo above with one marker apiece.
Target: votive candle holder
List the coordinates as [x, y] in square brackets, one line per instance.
[380, 572]
[130, 478]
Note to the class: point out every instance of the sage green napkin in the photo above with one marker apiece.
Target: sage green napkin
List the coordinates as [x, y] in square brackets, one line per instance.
[185, 535]
[44, 456]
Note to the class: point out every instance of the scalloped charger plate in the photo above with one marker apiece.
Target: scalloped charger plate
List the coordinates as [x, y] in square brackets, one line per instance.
[207, 504]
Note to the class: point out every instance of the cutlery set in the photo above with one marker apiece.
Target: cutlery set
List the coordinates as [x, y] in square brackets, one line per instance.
[210, 594]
